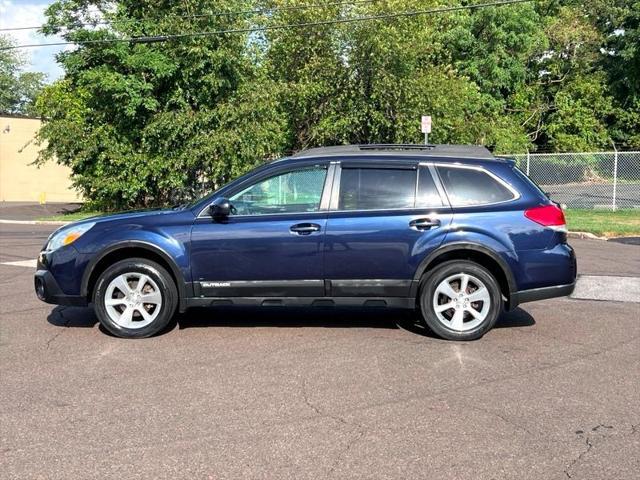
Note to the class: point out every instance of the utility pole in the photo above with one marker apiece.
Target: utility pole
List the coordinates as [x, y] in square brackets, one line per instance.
[615, 175]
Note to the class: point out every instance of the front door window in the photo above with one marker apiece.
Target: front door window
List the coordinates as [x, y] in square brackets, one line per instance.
[296, 191]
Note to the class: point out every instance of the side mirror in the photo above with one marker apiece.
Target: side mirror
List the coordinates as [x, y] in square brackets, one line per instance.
[221, 208]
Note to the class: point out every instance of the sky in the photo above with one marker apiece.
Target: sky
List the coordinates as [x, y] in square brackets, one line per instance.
[26, 13]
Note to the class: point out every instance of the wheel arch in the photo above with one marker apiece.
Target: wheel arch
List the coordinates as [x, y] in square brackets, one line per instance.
[474, 252]
[131, 249]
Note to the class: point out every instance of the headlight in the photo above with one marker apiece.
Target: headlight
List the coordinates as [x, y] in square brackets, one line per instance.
[68, 235]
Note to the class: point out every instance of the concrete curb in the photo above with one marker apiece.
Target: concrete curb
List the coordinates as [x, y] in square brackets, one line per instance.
[585, 235]
[34, 222]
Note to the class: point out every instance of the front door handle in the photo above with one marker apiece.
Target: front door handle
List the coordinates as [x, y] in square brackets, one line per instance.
[304, 228]
[424, 223]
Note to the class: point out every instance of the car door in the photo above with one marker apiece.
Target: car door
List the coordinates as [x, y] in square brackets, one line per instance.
[273, 245]
[384, 220]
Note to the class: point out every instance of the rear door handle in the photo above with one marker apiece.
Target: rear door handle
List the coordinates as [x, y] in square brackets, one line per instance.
[304, 228]
[424, 223]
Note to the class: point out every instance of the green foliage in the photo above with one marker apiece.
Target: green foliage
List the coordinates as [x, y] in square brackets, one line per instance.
[494, 47]
[371, 82]
[155, 124]
[577, 122]
[144, 124]
[18, 89]
[622, 65]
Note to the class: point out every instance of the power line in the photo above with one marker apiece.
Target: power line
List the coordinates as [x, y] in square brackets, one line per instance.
[164, 38]
[256, 11]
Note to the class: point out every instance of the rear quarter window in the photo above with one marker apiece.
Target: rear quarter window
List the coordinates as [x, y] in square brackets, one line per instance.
[468, 186]
[530, 183]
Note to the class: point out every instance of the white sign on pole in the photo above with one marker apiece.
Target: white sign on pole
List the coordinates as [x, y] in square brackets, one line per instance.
[426, 124]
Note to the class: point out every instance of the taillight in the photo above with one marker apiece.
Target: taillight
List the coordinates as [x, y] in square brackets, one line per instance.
[550, 216]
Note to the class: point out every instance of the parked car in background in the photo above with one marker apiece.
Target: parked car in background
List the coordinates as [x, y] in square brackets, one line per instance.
[451, 231]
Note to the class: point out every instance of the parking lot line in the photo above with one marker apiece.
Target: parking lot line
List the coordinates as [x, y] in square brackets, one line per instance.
[22, 263]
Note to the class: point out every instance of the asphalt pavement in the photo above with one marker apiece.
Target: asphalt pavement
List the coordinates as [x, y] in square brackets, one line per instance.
[590, 195]
[26, 211]
[552, 393]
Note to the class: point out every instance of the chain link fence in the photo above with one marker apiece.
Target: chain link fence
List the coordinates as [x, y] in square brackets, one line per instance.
[604, 180]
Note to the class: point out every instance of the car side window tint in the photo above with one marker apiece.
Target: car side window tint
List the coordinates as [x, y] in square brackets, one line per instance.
[292, 192]
[428, 195]
[376, 188]
[466, 186]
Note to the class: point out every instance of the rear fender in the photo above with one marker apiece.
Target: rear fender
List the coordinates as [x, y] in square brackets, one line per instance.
[501, 258]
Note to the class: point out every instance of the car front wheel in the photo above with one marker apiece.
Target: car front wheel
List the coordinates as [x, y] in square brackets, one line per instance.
[135, 298]
[460, 300]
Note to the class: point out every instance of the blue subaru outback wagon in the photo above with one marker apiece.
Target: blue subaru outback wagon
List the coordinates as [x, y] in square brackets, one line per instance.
[449, 230]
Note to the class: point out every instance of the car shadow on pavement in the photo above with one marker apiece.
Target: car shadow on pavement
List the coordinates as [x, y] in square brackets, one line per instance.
[243, 317]
[325, 318]
[288, 317]
[80, 317]
[412, 322]
[515, 318]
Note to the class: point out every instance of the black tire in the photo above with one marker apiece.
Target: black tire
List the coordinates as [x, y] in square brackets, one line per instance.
[448, 269]
[167, 290]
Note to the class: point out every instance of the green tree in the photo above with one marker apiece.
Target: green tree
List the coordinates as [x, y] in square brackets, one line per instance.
[497, 47]
[565, 104]
[156, 123]
[576, 101]
[18, 89]
[145, 123]
[619, 22]
[371, 81]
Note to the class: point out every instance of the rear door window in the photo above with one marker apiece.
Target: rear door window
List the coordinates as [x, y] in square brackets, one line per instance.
[377, 188]
[468, 186]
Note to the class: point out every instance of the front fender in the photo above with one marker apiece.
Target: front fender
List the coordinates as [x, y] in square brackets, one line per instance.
[173, 252]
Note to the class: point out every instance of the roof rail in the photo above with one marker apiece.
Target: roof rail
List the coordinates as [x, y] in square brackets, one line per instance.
[396, 146]
[390, 149]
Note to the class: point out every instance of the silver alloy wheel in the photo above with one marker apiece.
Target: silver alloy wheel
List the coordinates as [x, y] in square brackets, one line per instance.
[133, 300]
[461, 302]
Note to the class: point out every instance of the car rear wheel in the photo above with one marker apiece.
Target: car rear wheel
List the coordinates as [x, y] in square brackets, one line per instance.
[460, 300]
[135, 298]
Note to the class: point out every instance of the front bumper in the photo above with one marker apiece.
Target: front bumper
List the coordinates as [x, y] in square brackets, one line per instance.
[543, 293]
[48, 290]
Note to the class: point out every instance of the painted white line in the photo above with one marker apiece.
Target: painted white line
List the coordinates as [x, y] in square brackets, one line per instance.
[33, 222]
[22, 263]
[606, 287]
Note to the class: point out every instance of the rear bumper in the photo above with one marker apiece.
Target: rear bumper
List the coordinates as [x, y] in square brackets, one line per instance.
[48, 290]
[543, 293]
